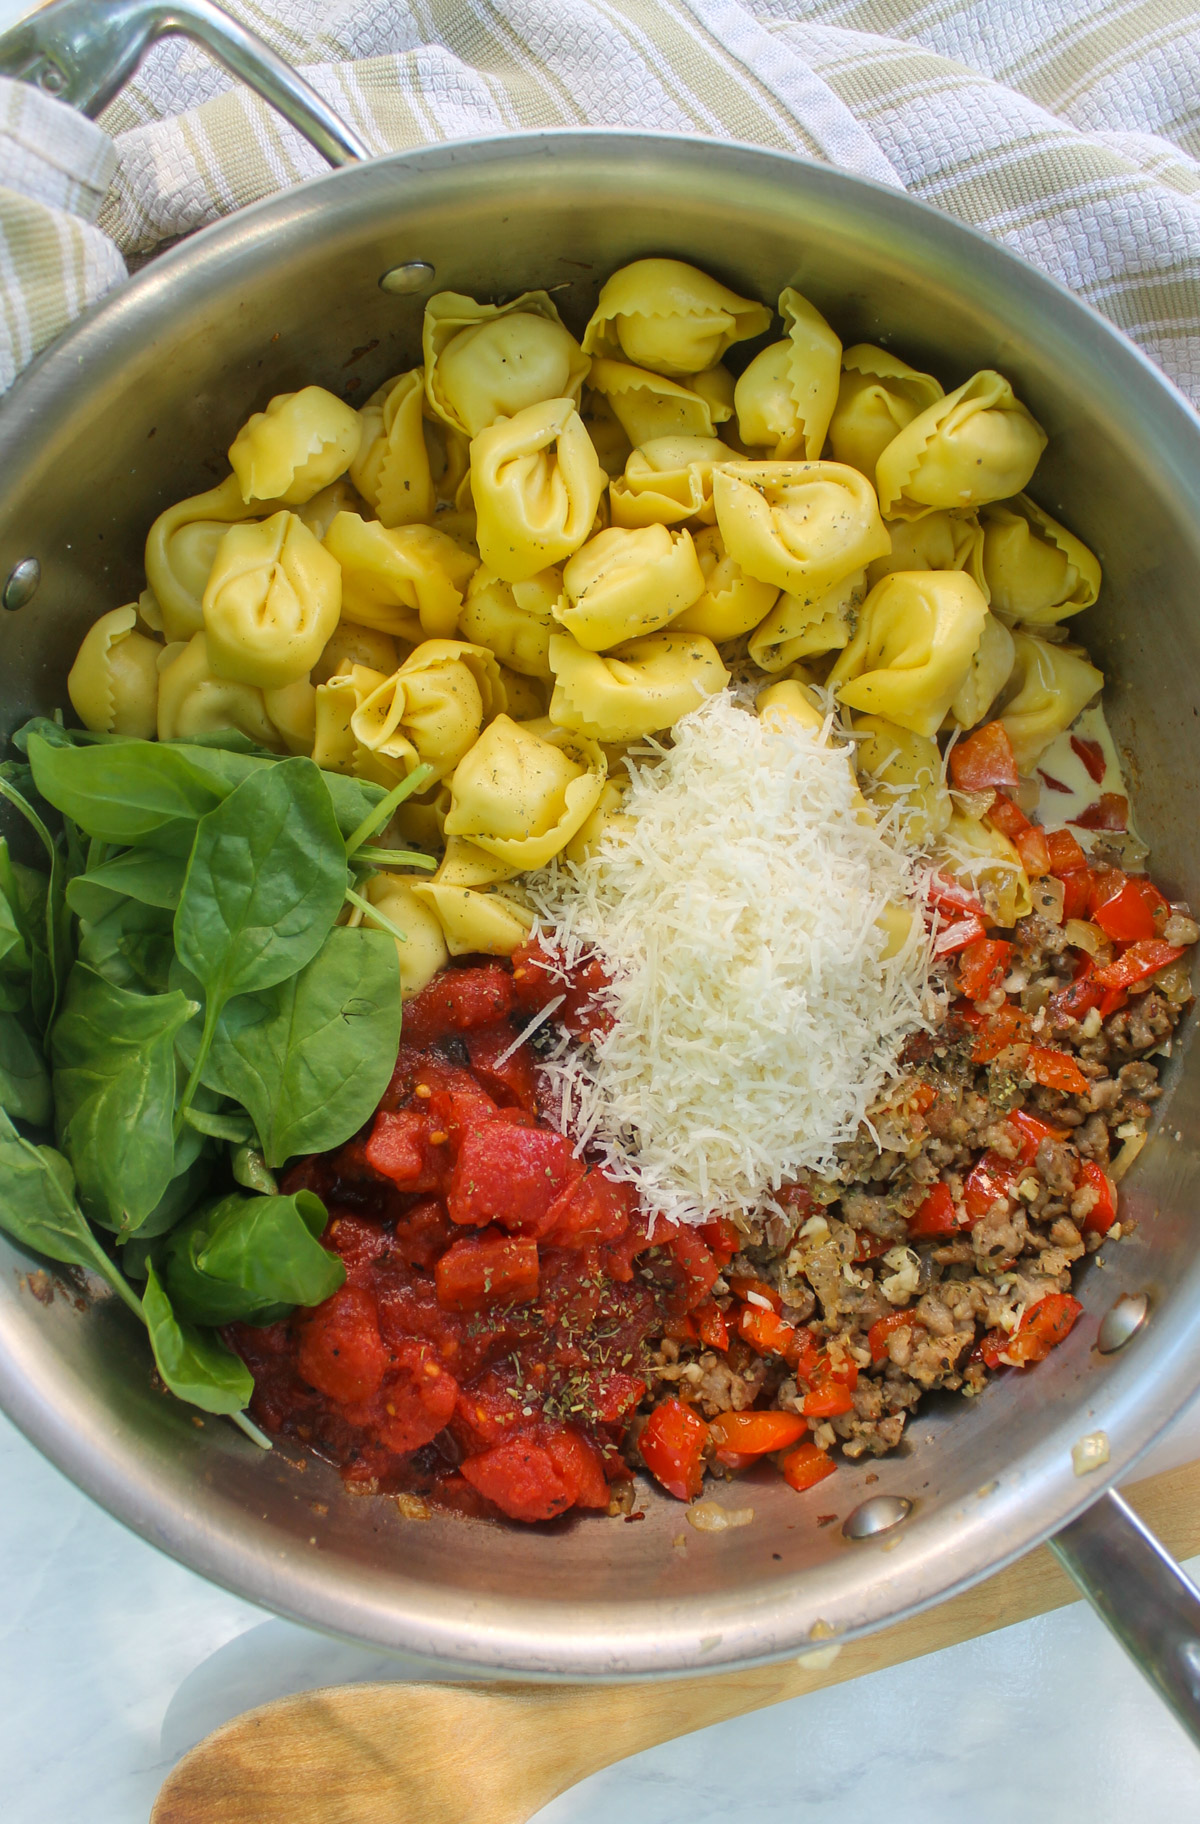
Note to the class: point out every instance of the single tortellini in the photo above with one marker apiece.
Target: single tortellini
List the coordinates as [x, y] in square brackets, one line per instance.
[803, 526]
[293, 710]
[336, 747]
[939, 541]
[465, 864]
[391, 469]
[420, 823]
[789, 701]
[536, 483]
[977, 444]
[301, 443]
[802, 628]
[349, 645]
[911, 654]
[521, 796]
[732, 603]
[905, 769]
[272, 601]
[489, 361]
[623, 583]
[606, 817]
[983, 859]
[990, 671]
[487, 924]
[514, 619]
[319, 513]
[180, 550]
[404, 580]
[431, 710]
[877, 396]
[1036, 570]
[1049, 686]
[608, 435]
[193, 700]
[670, 317]
[113, 684]
[527, 698]
[649, 406]
[423, 951]
[666, 482]
[786, 396]
[644, 685]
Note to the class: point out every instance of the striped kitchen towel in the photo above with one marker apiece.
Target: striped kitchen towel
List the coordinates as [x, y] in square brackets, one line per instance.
[1068, 129]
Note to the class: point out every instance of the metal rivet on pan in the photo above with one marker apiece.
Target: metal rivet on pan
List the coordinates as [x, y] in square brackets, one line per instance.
[22, 584]
[51, 78]
[878, 1515]
[414, 275]
[1122, 1322]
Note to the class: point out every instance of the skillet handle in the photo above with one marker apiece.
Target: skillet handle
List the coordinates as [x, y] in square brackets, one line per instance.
[82, 51]
[1140, 1593]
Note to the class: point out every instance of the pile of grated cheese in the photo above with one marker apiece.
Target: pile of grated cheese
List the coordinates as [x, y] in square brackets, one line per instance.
[735, 913]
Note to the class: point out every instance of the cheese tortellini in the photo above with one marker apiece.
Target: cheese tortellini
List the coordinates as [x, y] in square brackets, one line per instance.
[514, 619]
[1037, 572]
[918, 632]
[877, 396]
[404, 580]
[732, 603]
[991, 668]
[432, 709]
[786, 396]
[536, 483]
[490, 361]
[488, 924]
[669, 317]
[113, 684]
[1049, 686]
[904, 768]
[803, 526]
[977, 444]
[801, 628]
[667, 481]
[180, 550]
[193, 700]
[272, 601]
[301, 443]
[623, 583]
[520, 795]
[423, 951]
[638, 688]
[984, 859]
[649, 406]
[350, 645]
[391, 468]
[939, 541]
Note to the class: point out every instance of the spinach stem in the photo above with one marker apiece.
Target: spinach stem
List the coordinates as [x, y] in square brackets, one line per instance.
[212, 1013]
[395, 858]
[373, 912]
[246, 1424]
[377, 817]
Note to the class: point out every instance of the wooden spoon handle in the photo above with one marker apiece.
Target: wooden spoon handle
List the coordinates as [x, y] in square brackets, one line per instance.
[495, 1754]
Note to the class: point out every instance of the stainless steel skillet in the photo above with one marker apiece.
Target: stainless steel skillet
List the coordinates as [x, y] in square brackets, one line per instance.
[133, 409]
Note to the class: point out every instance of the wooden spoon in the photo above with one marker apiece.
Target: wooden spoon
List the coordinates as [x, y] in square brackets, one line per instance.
[496, 1754]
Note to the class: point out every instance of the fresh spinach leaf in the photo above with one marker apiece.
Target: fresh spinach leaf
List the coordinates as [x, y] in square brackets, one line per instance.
[251, 1259]
[196, 1367]
[114, 1089]
[124, 793]
[146, 875]
[24, 1079]
[38, 1209]
[250, 1168]
[131, 945]
[48, 928]
[236, 1128]
[310, 1058]
[180, 1197]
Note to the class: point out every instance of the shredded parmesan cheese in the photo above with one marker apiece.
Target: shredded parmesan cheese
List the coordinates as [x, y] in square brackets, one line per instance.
[736, 911]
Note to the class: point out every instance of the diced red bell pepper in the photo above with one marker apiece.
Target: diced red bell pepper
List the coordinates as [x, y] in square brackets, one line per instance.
[1077, 883]
[807, 1355]
[711, 1325]
[1092, 755]
[672, 1446]
[983, 966]
[1029, 1131]
[805, 1466]
[510, 1175]
[1136, 963]
[883, 1327]
[696, 1271]
[1110, 812]
[680, 1326]
[870, 1247]
[521, 1478]
[1042, 1328]
[1075, 1001]
[1009, 1025]
[753, 1434]
[1066, 855]
[766, 1333]
[936, 1216]
[1134, 911]
[742, 1286]
[1103, 1212]
[1008, 817]
[479, 1271]
[990, 1178]
[1055, 1070]
[984, 760]
[828, 1401]
[1031, 846]
[951, 897]
[958, 934]
[722, 1237]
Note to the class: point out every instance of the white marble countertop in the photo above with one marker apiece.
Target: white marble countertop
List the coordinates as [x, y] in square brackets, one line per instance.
[114, 1661]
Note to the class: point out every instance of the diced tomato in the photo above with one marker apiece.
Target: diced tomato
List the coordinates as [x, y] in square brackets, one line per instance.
[1008, 817]
[1029, 1132]
[595, 1208]
[1135, 910]
[617, 1257]
[766, 1333]
[951, 897]
[456, 1000]
[983, 966]
[1077, 884]
[421, 1234]
[492, 1268]
[742, 1286]
[1055, 1070]
[984, 760]
[1009, 1025]
[511, 1175]
[722, 1237]
[1110, 812]
[958, 934]
[1034, 851]
[672, 1446]
[1103, 1212]
[882, 1328]
[711, 1326]
[401, 1148]
[1042, 1328]
[539, 977]
[936, 1216]
[415, 1401]
[521, 1478]
[828, 1401]
[696, 1271]
[1092, 755]
[991, 1178]
[511, 1083]
[578, 1463]
[805, 1466]
[1135, 964]
[341, 1352]
[753, 1434]
[1066, 855]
